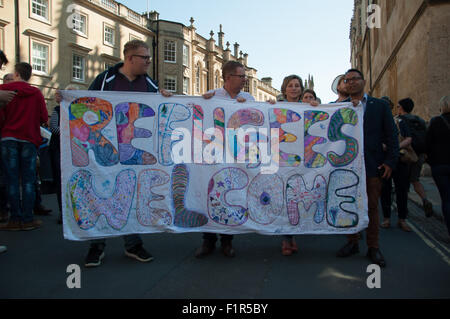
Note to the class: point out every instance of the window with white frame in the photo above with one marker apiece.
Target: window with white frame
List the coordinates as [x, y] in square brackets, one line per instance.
[170, 51]
[40, 57]
[78, 67]
[79, 22]
[185, 55]
[185, 85]
[170, 83]
[40, 9]
[109, 35]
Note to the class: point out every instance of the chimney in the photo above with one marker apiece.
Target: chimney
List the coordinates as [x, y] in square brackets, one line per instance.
[246, 59]
[236, 50]
[221, 37]
[154, 16]
[267, 81]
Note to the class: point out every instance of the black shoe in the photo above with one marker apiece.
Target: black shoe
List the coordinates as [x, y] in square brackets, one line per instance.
[428, 208]
[374, 254]
[94, 257]
[349, 249]
[206, 249]
[228, 250]
[139, 253]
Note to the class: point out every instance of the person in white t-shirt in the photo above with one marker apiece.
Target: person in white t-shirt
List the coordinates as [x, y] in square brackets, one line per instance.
[233, 74]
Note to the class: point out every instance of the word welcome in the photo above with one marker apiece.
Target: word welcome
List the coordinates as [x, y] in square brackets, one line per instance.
[188, 164]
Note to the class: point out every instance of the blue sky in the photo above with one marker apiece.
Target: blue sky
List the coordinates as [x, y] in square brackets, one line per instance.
[281, 37]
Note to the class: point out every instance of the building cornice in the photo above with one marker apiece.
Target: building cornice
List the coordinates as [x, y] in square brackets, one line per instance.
[80, 47]
[42, 36]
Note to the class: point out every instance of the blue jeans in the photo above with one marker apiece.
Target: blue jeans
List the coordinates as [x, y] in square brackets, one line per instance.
[19, 161]
[441, 176]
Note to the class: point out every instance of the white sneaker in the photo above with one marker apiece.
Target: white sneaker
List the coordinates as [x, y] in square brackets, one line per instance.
[3, 249]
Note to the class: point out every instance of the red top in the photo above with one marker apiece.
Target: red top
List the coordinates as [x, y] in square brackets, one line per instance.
[21, 118]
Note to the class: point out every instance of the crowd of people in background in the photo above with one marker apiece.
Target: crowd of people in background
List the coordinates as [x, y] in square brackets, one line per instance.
[395, 149]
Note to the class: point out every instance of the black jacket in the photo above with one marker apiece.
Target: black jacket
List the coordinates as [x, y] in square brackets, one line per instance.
[105, 80]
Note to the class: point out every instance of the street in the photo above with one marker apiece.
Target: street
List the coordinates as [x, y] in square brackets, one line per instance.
[418, 266]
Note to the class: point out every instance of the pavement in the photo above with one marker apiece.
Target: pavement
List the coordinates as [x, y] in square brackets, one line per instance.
[435, 225]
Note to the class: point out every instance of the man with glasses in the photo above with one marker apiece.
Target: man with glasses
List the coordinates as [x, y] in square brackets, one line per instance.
[379, 128]
[130, 75]
[233, 74]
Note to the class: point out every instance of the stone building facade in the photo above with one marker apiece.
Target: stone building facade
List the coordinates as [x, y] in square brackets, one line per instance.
[188, 63]
[409, 55]
[71, 41]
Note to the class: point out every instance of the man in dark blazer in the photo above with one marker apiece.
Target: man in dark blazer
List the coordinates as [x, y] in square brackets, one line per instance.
[379, 129]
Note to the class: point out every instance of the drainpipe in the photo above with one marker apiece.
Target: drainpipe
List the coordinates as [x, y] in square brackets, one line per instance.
[370, 62]
[17, 28]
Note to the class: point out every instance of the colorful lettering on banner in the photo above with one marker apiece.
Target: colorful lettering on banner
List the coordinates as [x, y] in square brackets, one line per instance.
[147, 215]
[297, 192]
[87, 118]
[168, 115]
[197, 130]
[220, 184]
[238, 147]
[126, 115]
[338, 120]
[342, 208]
[265, 198]
[183, 217]
[277, 117]
[313, 159]
[87, 206]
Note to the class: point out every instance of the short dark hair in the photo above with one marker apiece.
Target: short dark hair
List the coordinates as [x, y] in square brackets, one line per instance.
[3, 59]
[229, 67]
[310, 91]
[355, 70]
[24, 69]
[133, 45]
[407, 104]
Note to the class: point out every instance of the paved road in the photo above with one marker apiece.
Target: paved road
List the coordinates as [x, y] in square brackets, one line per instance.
[418, 266]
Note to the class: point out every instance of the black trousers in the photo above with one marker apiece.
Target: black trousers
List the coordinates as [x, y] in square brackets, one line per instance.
[400, 176]
[212, 237]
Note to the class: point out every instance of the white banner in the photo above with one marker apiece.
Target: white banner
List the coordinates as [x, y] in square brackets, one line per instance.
[142, 163]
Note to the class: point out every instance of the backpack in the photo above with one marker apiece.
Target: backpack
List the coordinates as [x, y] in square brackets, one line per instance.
[418, 129]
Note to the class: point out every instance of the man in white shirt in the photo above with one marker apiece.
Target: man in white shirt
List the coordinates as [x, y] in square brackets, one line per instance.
[233, 74]
[234, 77]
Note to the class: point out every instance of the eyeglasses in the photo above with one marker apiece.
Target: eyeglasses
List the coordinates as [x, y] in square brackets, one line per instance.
[144, 57]
[352, 79]
[242, 76]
